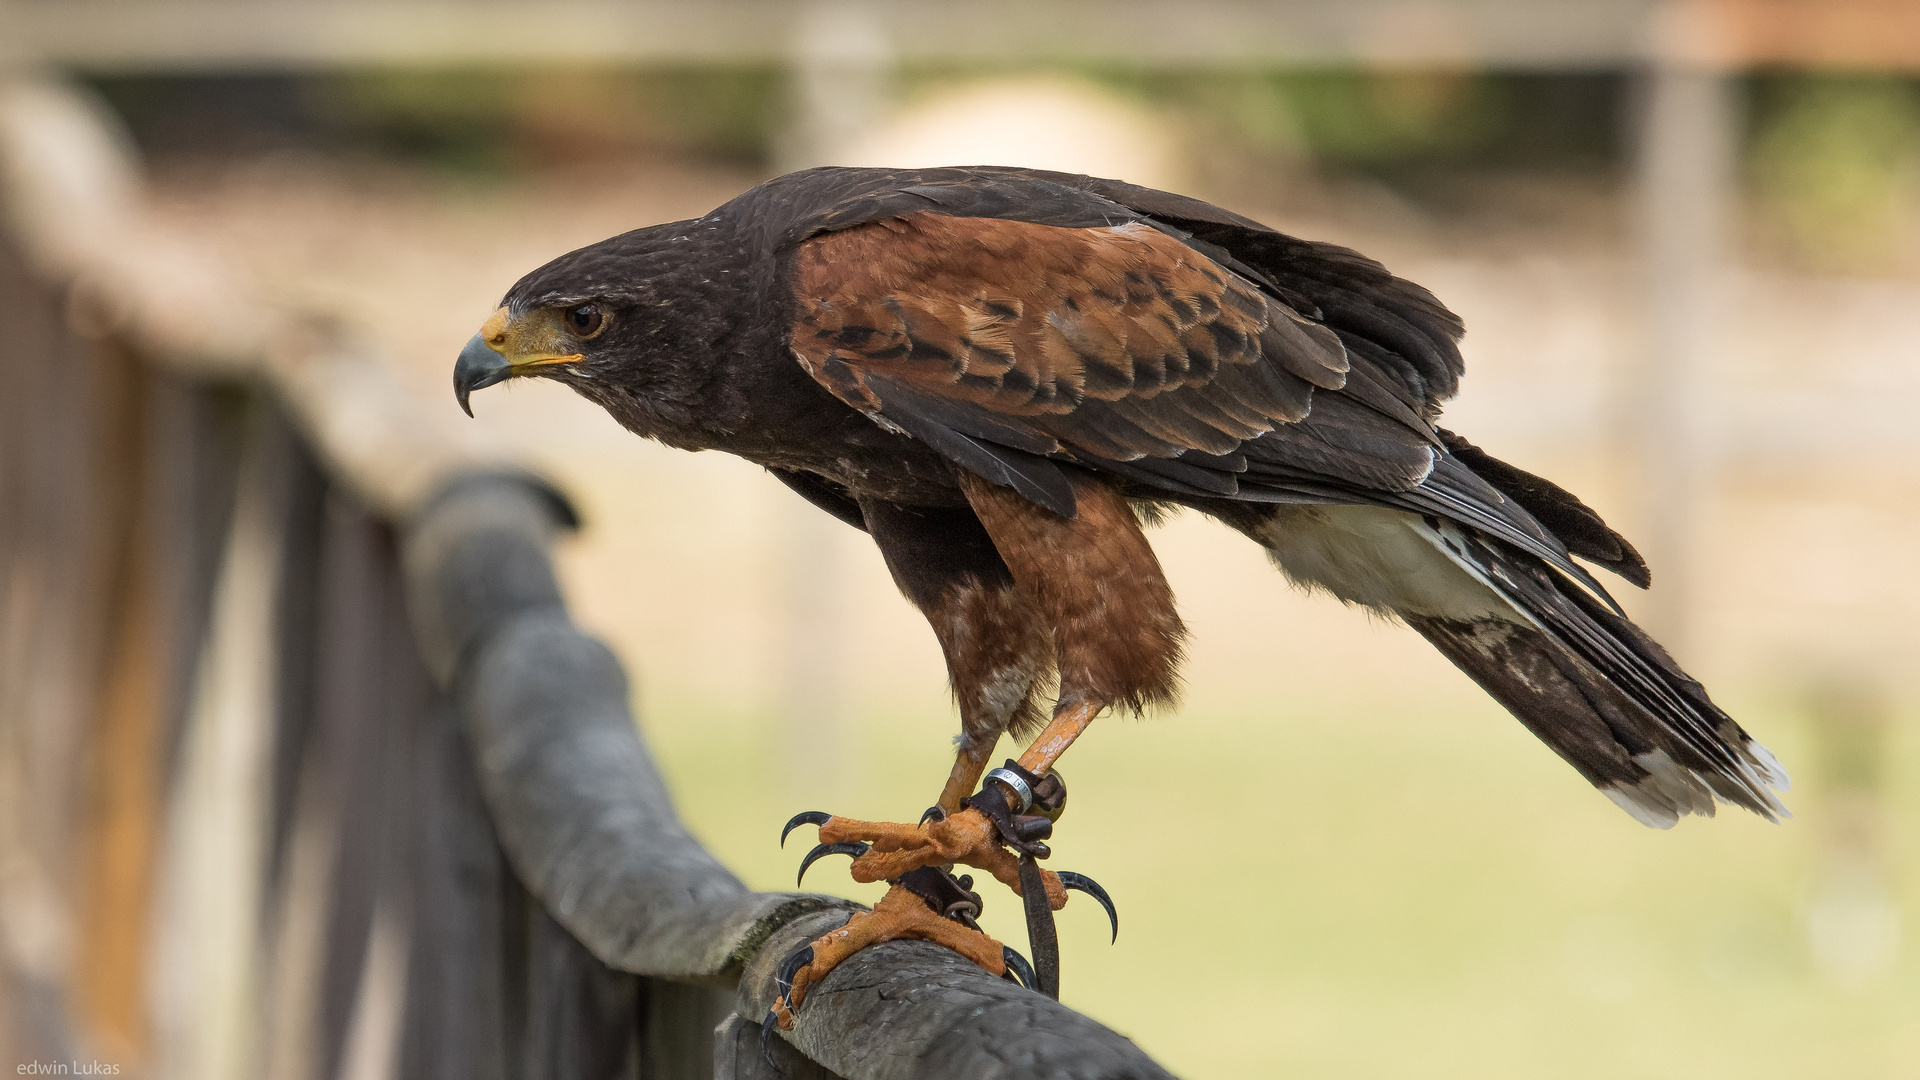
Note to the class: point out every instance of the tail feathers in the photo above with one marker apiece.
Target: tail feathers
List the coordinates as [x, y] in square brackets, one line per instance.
[1558, 511]
[1457, 494]
[1599, 691]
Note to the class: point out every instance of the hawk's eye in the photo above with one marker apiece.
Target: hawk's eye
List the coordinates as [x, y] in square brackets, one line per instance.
[585, 320]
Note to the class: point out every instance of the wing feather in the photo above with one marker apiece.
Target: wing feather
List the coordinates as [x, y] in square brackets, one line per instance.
[1108, 344]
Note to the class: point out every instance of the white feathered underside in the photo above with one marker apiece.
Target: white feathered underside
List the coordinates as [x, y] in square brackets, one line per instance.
[1377, 558]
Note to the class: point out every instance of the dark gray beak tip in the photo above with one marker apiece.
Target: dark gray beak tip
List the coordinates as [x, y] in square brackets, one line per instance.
[478, 367]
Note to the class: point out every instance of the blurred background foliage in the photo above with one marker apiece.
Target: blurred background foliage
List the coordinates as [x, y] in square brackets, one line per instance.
[1378, 872]
[1835, 164]
[482, 120]
[1832, 158]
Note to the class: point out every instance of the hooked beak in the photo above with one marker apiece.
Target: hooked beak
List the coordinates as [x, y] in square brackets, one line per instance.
[479, 366]
[506, 347]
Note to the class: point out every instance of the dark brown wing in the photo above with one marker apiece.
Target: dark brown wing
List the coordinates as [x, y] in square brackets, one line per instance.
[1110, 346]
[1398, 335]
[1014, 319]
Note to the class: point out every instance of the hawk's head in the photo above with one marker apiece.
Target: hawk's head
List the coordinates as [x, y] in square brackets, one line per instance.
[611, 310]
[528, 343]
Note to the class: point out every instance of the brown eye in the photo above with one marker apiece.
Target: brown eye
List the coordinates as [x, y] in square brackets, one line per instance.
[585, 320]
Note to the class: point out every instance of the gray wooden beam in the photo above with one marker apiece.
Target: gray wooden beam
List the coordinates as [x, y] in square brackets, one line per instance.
[740, 1053]
[910, 1010]
[587, 825]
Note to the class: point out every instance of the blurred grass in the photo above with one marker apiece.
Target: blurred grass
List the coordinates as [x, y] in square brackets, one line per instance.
[1362, 881]
[1374, 871]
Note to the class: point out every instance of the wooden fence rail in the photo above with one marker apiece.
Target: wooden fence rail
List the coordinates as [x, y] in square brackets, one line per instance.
[306, 770]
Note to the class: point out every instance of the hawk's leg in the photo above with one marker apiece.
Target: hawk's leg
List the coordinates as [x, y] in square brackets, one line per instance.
[969, 764]
[1008, 586]
[998, 650]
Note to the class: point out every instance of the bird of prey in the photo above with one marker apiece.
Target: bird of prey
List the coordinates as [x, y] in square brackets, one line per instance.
[999, 374]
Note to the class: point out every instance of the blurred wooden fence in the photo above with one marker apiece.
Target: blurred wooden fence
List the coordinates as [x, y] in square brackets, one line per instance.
[304, 770]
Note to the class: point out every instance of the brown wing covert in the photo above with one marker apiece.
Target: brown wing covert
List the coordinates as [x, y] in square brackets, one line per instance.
[1117, 344]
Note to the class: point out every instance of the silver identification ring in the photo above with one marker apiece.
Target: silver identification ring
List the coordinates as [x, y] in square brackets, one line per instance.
[1017, 784]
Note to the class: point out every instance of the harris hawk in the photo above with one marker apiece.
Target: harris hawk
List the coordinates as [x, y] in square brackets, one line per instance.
[999, 373]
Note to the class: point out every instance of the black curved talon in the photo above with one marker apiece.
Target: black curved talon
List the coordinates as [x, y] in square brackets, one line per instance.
[933, 813]
[766, 1041]
[1085, 884]
[854, 848]
[1017, 967]
[789, 968]
[807, 817]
